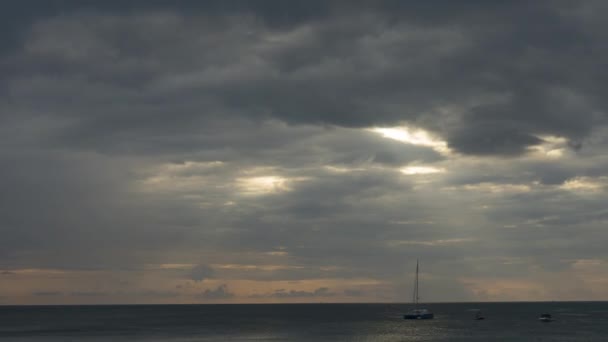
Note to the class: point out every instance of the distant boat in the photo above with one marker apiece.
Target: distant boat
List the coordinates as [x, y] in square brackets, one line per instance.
[545, 317]
[479, 316]
[418, 313]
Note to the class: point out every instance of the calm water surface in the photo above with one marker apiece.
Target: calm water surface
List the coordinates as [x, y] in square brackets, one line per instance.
[574, 321]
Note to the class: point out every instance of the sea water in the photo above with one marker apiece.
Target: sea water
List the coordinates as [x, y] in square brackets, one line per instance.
[574, 321]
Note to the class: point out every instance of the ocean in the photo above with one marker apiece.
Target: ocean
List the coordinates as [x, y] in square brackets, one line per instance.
[574, 321]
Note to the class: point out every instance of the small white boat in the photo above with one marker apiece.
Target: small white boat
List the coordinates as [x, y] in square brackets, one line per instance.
[418, 313]
[545, 317]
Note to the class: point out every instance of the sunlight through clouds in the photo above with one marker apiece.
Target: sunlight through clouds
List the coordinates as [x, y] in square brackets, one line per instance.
[255, 186]
[442, 242]
[413, 136]
[488, 187]
[421, 170]
[585, 184]
[180, 177]
[552, 147]
[238, 148]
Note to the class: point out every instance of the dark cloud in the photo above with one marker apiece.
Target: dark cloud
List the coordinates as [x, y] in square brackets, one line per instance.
[158, 294]
[282, 293]
[47, 293]
[201, 272]
[491, 139]
[57, 205]
[353, 293]
[339, 64]
[221, 292]
[88, 293]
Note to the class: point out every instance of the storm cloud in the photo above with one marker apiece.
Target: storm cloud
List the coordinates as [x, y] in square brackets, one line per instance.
[301, 147]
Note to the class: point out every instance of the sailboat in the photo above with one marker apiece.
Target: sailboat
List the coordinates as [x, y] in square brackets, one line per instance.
[418, 313]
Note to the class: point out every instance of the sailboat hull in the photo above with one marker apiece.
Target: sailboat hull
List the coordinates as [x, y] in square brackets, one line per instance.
[418, 316]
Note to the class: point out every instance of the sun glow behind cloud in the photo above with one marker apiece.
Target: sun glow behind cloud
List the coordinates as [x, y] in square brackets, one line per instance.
[413, 136]
[489, 187]
[180, 177]
[585, 184]
[441, 242]
[553, 147]
[262, 185]
[191, 179]
[421, 170]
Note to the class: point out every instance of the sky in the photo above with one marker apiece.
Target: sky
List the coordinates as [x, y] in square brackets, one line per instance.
[312, 151]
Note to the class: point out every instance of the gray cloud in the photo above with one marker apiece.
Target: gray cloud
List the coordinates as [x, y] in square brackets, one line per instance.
[201, 272]
[88, 293]
[353, 293]
[158, 294]
[133, 135]
[47, 293]
[221, 292]
[282, 293]
[342, 67]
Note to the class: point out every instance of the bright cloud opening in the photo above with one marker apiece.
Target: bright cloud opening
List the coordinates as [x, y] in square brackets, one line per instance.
[180, 177]
[421, 170]
[553, 147]
[441, 242]
[584, 184]
[492, 187]
[413, 136]
[262, 185]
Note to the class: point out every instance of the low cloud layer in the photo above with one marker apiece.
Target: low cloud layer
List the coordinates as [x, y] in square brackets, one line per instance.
[221, 292]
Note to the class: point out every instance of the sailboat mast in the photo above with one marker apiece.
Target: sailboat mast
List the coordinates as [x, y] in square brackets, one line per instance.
[418, 313]
[416, 286]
